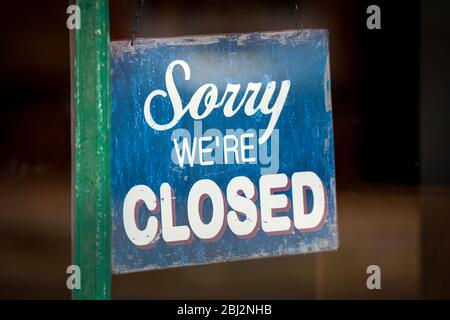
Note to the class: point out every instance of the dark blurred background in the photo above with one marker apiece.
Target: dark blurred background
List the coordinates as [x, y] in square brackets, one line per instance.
[391, 108]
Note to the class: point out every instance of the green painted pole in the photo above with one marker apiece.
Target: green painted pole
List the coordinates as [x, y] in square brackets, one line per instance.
[92, 151]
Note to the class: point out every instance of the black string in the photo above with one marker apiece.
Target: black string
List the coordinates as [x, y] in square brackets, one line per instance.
[294, 8]
[137, 17]
[293, 5]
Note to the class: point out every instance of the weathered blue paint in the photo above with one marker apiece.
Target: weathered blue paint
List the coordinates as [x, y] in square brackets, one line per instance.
[141, 155]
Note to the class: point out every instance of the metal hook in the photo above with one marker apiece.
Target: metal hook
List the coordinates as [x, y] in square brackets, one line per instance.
[137, 17]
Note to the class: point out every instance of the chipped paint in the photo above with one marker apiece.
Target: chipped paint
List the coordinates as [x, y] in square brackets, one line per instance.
[141, 155]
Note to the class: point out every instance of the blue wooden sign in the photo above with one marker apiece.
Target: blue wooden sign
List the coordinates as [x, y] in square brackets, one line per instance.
[222, 149]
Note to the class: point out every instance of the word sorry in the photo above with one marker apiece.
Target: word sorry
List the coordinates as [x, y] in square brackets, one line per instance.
[209, 94]
[244, 219]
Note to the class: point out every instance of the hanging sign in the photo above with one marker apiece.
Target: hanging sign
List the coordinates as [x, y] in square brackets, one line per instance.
[222, 149]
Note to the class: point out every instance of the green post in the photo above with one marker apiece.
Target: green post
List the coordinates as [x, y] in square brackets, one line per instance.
[92, 151]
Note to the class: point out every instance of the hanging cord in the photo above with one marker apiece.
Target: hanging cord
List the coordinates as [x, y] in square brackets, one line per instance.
[137, 17]
[293, 6]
